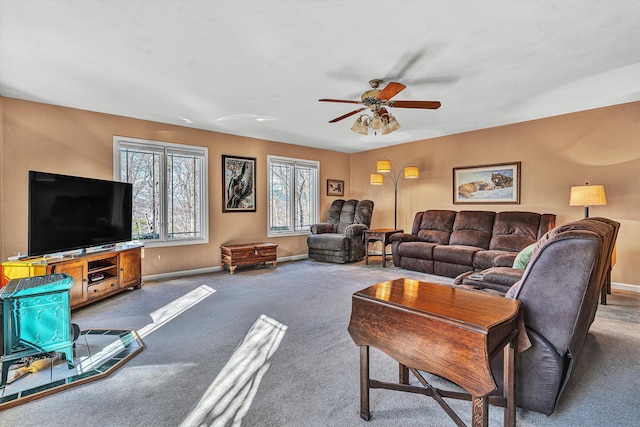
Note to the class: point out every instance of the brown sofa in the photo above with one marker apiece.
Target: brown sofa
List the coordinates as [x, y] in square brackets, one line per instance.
[498, 280]
[449, 243]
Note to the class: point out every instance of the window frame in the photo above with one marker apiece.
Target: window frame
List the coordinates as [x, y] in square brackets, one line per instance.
[166, 148]
[315, 203]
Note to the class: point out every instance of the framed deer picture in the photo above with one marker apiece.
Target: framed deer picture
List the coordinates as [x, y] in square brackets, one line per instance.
[238, 184]
[487, 184]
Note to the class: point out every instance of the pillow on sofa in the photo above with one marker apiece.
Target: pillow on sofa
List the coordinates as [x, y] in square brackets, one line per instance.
[523, 257]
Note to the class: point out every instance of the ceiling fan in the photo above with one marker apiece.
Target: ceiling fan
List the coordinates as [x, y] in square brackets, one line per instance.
[377, 100]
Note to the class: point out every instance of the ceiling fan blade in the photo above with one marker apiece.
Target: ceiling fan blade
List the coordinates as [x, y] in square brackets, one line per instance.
[391, 90]
[337, 119]
[339, 100]
[431, 105]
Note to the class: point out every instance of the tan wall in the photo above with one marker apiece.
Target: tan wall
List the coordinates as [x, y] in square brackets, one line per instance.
[599, 146]
[75, 142]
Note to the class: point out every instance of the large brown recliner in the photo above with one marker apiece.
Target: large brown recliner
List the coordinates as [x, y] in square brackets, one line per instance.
[559, 292]
[341, 238]
[449, 243]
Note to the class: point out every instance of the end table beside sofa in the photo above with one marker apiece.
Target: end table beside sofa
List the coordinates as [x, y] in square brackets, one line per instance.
[381, 235]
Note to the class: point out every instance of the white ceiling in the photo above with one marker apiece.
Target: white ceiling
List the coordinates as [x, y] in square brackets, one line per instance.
[258, 68]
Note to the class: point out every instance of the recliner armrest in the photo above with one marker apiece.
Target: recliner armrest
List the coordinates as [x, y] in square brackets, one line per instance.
[403, 237]
[355, 230]
[323, 227]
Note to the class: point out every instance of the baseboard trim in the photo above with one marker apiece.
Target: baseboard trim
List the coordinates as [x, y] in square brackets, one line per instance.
[178, 274]
[625, 287]
[207, 270]
[183, 273]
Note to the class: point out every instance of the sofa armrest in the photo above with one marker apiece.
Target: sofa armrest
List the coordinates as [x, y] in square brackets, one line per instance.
[355, 230]
[323, 227]
[403, 237]
[505, 260]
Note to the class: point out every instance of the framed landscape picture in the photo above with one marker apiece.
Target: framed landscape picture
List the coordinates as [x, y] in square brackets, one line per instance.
[238, 184]
[487, 184]
[335, 187]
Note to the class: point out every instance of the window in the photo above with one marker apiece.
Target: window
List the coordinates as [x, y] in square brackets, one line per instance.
[293, 195]
[169, 189]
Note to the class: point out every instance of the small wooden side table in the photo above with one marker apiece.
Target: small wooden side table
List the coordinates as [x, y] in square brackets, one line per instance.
[378, 235]
[449, 332]
[250, 253]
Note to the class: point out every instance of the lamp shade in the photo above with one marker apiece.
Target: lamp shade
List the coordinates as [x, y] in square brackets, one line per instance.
[393, 124]
[411, 172]
[383, 166]
[376, 122]
[587, 195]
[360, 127]
[376, 179]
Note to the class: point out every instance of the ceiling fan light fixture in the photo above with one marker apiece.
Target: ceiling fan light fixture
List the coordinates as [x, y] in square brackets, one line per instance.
[377, 122]
[377, 100]
[393, 124]
[360, 127]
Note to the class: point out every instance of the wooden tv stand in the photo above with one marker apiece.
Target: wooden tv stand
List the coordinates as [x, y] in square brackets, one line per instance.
[100, 274]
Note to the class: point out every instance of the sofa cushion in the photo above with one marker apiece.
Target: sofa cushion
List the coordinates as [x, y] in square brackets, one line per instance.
[333, 216]
[436, 226]
[487, 259]
[523, 257]
[448, 269]
[505, 259]
[455, 254]
[347, 214]
[472, 228]
[328, 241]
[363, 213]
[512, 231]
[421, 250]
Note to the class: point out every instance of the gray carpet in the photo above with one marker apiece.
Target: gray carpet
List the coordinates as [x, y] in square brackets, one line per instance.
[271, 348]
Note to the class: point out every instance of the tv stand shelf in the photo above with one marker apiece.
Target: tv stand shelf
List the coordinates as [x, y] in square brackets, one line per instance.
[100, 274]
[102, 265]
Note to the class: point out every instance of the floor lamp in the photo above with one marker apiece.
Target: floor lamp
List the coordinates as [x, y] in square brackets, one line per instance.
[385, 166]
[587, 195]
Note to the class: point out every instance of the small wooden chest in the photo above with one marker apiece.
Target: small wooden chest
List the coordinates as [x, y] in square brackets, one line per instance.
[250, 253]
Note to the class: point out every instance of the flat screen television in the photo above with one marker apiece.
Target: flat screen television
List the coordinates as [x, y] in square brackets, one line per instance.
[67, 213]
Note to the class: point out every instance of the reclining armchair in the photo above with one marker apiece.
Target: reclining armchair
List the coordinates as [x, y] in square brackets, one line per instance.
[341, 238]
[559, 292]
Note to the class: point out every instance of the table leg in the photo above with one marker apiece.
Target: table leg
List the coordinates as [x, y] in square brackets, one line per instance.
[4, 366]
[366, 252]
[232, 269]
[480, 411]
[403, 374]
[364, 383]
[510, 383]
[384, 255]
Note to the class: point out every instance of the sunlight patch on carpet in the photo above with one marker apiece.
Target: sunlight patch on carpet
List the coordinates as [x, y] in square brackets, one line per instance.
[230, 395]
[175, 308]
